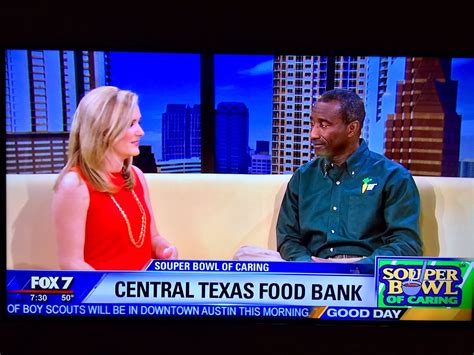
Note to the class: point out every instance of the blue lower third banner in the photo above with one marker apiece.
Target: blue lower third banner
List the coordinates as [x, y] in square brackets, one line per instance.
[183, 288]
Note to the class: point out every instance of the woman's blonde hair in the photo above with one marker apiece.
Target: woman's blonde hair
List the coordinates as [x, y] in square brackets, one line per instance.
[101, 117]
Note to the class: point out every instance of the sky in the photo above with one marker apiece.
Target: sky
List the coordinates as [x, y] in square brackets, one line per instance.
[248, 79]
[463, 72]
[160, 79]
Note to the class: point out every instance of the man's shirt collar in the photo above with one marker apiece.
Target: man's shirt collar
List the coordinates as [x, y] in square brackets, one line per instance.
[353, 164]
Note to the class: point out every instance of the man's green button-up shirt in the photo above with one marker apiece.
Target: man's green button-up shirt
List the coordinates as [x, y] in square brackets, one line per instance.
[368, 206]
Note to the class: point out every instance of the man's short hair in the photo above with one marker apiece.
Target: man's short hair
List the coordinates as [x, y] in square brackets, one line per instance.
[352, 106]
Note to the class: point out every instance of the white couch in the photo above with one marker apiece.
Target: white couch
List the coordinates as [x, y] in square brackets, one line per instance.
[209, 216]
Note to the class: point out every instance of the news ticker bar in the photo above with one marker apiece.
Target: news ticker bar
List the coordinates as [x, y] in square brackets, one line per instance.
[160, 310]
[258, 289]
[291, 312]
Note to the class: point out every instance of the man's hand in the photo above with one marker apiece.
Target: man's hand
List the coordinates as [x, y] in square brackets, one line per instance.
[346, 261]
[334, 260]
[320, 260]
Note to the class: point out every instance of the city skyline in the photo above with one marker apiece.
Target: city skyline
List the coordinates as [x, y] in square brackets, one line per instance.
[250, 71]
[246, 79]
[424, 132]
[42, 88]
[161, 79]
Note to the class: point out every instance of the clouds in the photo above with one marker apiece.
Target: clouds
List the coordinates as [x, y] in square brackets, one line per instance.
[263, 68]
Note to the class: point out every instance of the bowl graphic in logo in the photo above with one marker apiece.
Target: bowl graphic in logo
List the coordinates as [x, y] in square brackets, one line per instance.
[412, 287]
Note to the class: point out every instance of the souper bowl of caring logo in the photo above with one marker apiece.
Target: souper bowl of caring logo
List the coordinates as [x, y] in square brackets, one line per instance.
[420, 283]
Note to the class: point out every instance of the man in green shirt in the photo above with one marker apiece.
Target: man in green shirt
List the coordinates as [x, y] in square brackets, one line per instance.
[349, 204]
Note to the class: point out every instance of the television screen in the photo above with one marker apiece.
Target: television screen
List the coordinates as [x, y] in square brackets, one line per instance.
[218, 152]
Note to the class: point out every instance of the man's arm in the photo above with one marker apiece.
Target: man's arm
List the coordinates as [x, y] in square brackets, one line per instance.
[290, 242]
[402, 213]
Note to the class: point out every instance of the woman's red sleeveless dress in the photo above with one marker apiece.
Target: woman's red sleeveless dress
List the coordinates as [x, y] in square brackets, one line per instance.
[107, 239]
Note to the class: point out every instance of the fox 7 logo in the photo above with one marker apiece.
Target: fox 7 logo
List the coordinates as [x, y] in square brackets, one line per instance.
[51, 282]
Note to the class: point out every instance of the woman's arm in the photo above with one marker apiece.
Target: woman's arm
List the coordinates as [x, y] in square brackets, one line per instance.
[70, 205]
[162, 249]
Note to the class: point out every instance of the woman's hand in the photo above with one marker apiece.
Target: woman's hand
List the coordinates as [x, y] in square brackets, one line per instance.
[167, 253]
[162, 249]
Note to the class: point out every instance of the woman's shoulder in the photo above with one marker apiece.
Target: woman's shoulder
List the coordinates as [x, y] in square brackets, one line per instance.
[140, 180]
[138, 173]
[71, 195]
[137, 170]
[72, 182]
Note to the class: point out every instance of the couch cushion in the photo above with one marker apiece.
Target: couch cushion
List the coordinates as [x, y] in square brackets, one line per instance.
[209, 216]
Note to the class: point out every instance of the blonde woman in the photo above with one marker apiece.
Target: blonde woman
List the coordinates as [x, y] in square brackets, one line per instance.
[101, 206]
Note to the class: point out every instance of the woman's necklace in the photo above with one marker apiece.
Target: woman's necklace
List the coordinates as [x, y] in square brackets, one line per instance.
[141, 239]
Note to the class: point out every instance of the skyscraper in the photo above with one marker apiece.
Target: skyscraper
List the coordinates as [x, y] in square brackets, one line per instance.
[424, 132]
[181, 135]
[297, 82]
[261, 160]
[261, 164]
[43, 88]
[384, 74]
[466, 168]
[232, 137]
[180, 166]
[195, 132]
[263, 147]
[145, 160]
